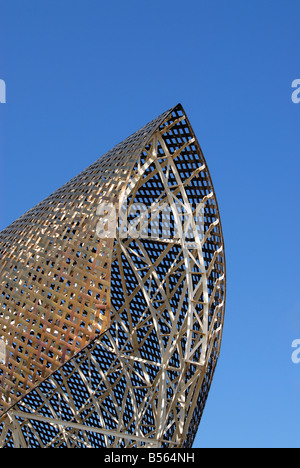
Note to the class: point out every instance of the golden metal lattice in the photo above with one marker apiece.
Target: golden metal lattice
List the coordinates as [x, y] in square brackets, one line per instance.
[123, 331]
[55, 300]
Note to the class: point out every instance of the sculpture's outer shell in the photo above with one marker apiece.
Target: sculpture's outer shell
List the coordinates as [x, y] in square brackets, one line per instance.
[111, 339]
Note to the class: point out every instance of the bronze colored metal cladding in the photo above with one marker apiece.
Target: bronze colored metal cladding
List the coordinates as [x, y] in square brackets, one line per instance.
[110, 337]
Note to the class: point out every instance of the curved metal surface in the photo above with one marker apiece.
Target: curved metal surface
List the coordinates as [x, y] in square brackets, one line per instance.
[113, 299]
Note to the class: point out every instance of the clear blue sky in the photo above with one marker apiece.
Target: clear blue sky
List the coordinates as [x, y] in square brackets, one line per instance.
[82, 75]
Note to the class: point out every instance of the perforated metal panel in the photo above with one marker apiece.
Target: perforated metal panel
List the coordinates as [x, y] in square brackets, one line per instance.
[113, 341]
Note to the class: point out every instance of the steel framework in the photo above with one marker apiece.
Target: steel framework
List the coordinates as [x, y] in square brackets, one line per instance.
[112, 340]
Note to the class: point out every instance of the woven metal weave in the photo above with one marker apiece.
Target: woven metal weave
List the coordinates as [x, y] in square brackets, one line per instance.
[111, 338]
